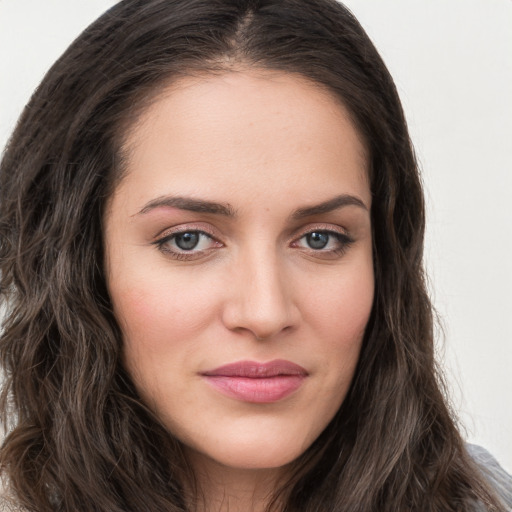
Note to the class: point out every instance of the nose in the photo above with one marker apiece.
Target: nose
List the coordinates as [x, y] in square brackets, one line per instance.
[260, 297]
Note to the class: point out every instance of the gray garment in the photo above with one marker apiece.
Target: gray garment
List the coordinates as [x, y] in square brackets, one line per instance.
[7, 505]
[500, 480]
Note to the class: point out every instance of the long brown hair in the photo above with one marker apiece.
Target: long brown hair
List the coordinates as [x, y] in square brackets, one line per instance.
[79, 437]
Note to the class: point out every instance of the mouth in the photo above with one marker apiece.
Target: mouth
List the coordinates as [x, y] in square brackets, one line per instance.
[254, 382]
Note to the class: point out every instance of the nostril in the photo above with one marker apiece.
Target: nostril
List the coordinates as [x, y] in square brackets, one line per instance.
[265, 337]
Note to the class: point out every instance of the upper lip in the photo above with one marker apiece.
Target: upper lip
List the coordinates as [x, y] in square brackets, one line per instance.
[256, 370]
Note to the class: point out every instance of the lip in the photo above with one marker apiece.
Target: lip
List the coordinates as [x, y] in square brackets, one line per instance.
[254, 382]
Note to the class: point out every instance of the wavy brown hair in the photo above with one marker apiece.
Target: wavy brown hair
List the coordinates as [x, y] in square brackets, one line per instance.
[79, 437]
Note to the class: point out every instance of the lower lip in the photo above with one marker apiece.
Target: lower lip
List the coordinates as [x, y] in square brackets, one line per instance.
[256, 390]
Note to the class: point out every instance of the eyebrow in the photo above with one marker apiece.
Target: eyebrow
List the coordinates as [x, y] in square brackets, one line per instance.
[225, 209]
[329, 206]
[190, 204]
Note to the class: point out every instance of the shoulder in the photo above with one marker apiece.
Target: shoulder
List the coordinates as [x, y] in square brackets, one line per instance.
[499, 479]
[8, 504]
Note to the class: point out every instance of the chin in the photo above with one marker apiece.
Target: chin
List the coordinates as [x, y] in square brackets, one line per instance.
[251, 453]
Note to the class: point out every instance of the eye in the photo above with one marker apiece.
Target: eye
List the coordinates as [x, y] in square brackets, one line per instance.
[327, 242]
[317, 239]
[187, 243]
[188, 240]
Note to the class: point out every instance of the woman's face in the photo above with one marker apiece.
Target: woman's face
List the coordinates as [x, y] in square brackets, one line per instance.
[239, 263]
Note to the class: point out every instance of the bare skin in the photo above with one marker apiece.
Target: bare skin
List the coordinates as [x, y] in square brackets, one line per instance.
[241, 232]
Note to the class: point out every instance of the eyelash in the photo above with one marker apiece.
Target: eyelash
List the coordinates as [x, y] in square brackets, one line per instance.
[343, 239]
[161, 244]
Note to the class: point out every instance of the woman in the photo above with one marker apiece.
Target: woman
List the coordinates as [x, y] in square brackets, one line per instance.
[211, 249]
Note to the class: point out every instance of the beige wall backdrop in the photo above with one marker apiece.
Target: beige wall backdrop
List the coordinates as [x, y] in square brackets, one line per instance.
[452, 62]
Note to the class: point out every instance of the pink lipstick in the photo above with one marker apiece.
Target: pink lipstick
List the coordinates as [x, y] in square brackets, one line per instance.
[250, 381]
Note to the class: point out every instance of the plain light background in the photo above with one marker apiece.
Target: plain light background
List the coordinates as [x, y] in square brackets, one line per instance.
[452, 63]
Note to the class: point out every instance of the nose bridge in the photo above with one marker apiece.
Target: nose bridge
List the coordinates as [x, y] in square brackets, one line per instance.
[260, 301]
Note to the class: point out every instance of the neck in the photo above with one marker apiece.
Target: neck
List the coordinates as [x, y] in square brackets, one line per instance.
[226, 489]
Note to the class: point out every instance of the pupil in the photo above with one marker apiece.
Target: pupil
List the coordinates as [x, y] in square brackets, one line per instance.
[187, 241]
[317, 240]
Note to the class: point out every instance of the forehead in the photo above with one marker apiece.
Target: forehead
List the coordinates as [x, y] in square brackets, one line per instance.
[268, 127]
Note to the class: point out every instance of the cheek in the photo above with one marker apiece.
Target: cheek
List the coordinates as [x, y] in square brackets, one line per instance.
[159, 323]
[342, 304]
[338, 313]
[151, 306]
